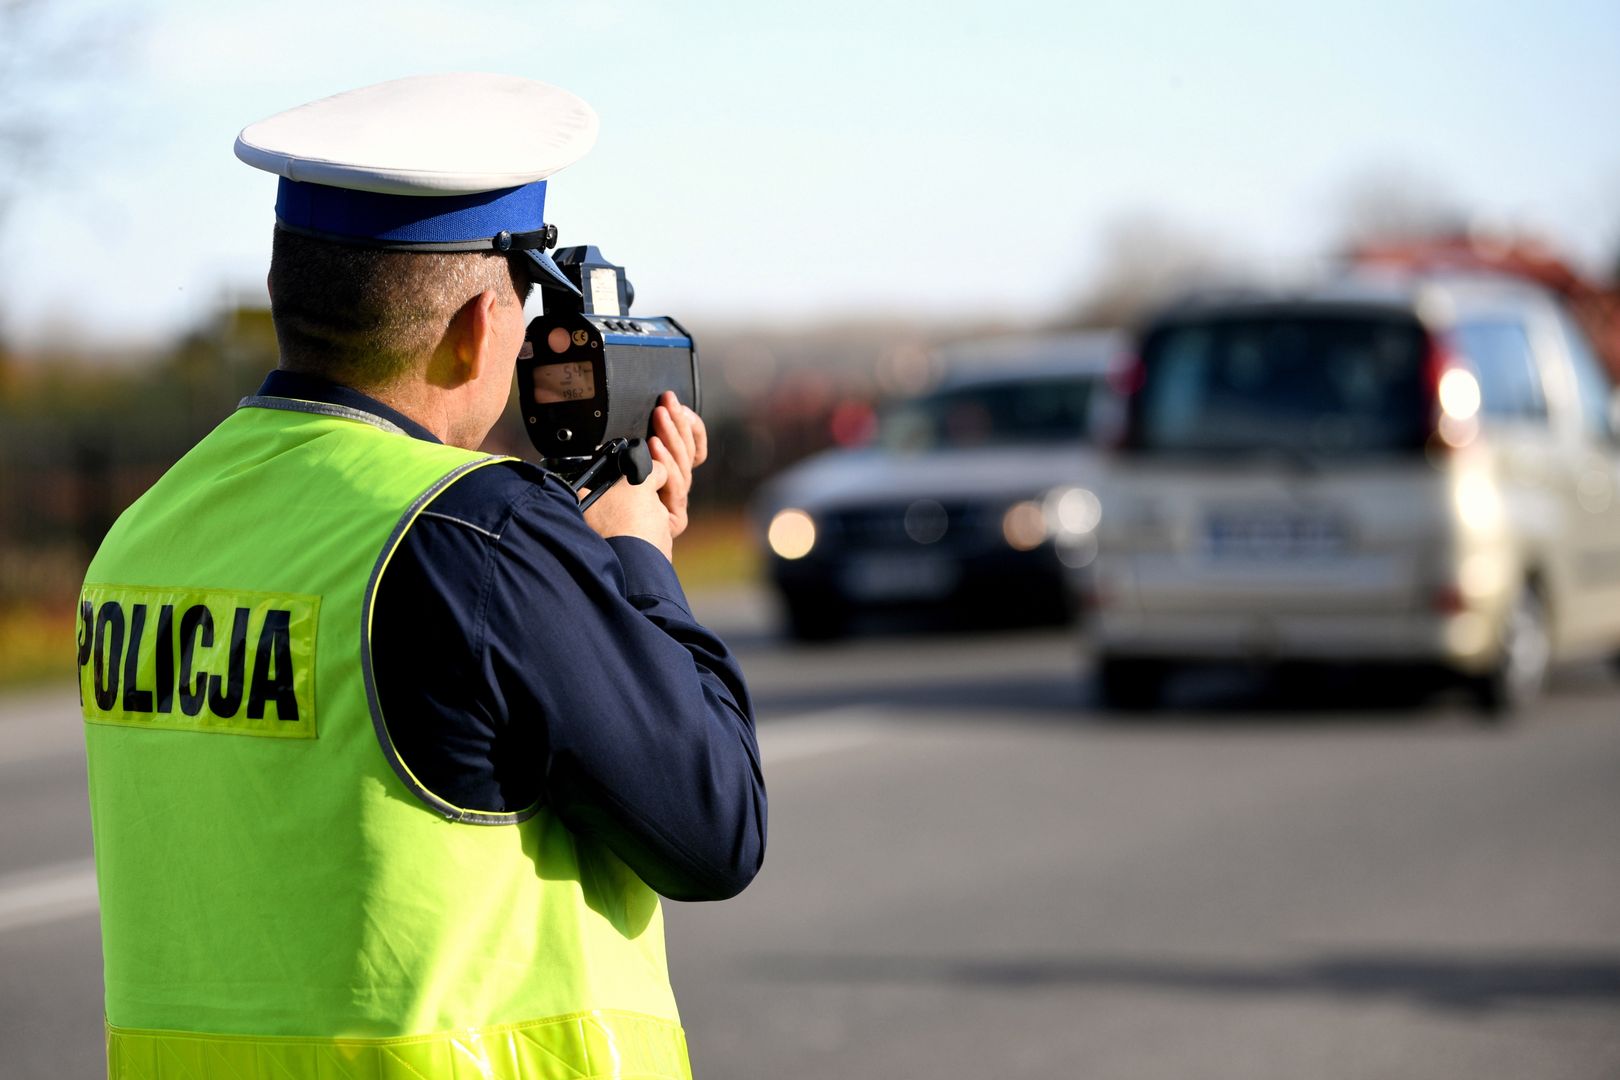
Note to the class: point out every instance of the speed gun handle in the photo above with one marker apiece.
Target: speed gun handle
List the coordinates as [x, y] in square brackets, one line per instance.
[627, 458]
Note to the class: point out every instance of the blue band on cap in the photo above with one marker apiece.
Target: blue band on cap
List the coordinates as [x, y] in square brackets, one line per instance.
[410, 219]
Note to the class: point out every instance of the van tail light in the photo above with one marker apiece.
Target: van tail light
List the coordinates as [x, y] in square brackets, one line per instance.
[1436, 363]
[1448, 600]
[1454, 397]
[1126, 376]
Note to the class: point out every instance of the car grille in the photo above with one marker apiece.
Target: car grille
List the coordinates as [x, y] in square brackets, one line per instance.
[884, 526]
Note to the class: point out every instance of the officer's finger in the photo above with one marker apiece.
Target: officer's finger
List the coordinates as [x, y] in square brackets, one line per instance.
[673, 479]
[700, 436]
[684, 418]
[658, 476]
[668, 429]
[674, 490]
[672, 404]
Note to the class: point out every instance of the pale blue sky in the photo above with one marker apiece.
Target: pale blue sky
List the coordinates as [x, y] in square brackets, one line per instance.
[763, 161]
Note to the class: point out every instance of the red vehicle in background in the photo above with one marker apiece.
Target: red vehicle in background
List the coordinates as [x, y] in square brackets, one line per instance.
[1596, 307]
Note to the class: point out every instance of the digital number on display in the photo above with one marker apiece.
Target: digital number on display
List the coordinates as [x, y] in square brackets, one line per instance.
[564, 382]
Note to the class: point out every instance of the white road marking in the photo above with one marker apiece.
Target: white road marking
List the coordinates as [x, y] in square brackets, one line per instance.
[39, 725]
[47, 894]
[814, 734]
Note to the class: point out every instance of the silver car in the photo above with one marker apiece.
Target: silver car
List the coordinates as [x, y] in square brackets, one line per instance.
[970, 502]
[1415, 470]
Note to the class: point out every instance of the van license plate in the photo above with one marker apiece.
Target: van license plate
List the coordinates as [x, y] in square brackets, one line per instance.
[1274, 536]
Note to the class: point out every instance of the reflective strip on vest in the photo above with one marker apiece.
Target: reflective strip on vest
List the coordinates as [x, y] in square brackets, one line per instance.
[584, 1046]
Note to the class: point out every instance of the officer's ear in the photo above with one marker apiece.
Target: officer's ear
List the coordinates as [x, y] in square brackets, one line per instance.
[475, 332]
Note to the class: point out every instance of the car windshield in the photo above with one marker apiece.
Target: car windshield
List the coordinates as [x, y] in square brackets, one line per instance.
[1312, 387]
[1048, 409]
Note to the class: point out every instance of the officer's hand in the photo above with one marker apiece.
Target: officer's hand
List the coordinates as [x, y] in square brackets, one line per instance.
[627, 509]
[680, 443]
[655, 510]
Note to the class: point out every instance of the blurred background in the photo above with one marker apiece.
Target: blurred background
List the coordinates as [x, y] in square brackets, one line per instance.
[1164, 493]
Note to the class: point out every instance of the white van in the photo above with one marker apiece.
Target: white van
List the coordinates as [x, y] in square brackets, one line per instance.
[1418, 470]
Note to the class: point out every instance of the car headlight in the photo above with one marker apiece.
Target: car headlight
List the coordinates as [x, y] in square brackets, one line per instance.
[791, 534]
[1064, 514]
[1071, 511]
[1023, 526]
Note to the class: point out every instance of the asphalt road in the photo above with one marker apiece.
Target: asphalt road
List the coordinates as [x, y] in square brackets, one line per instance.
[973, 873]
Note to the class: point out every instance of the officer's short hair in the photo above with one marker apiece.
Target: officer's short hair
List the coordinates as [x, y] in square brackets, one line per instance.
[367, 317]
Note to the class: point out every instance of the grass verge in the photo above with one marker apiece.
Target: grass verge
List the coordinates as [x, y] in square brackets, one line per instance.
[37, 638]
[717, 550]
[36, 644]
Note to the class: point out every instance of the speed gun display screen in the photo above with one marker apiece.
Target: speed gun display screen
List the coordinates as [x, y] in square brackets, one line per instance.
[584, 380]
[564, 382]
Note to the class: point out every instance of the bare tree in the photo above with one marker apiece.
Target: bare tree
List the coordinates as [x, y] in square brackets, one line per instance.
[1145, 260]
[1392, 203]
[53, 56]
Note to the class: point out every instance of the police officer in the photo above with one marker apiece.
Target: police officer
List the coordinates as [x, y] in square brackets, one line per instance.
[391, 751]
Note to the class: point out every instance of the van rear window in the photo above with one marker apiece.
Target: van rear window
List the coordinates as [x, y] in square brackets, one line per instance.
[1317, 387]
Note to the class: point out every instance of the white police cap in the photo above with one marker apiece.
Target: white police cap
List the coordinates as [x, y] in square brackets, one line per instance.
[427, 163]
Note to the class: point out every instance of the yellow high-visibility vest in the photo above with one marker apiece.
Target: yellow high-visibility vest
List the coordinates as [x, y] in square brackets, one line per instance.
[280, 898]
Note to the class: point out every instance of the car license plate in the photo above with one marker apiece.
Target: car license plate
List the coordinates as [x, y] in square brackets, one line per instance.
[1274, 536]
[899, 577]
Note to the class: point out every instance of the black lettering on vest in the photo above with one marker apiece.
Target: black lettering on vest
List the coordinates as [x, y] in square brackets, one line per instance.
[225, 692]
[87, 630]
[87, 637]
[273, 670]
[109, 623]
[135, 699]
[165, 659]
[197, 619]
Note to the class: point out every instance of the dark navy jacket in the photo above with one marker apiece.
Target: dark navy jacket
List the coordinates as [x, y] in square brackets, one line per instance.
[522, 659]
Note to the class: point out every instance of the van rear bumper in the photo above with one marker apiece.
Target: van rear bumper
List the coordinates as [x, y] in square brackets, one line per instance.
[1465, 641]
